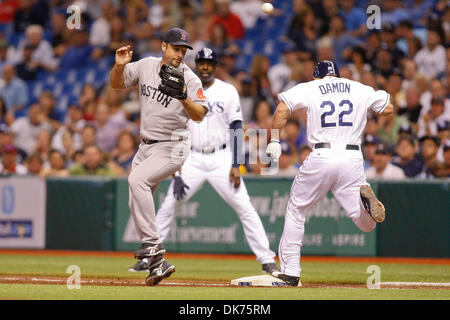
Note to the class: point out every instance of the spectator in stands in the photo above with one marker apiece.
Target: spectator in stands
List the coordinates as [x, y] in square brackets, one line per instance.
[6, 117]
[47, 102]
[79, 51]
[436, 88]
[259, 69]
[373, 42]
[67, 138]
[93, 164]
[26, 129]
[88, 101]
[248, 99]
[4, 57]
[6, 136]
[58, 32]
[387, 36]
[88, 135]
[220, 42]
[262, 115]
[114, 99]
[370, 144]
[382, 166]
[404, 33]
[125, 150]
[293, 134]
[304, 34]
[9, 164]
[42, 55]
[34, 164]
[410, 74]
[429, 149]
[393, 12]
[342, 41]
[231, 22]
[408, 159]
[413, 107]
[31, 12]
[43, 145]
[287, 161]
[27, 68]
[100, 31]
[430, 59]
[388, 127]
[57, 166]
[383, 64]
[394, 88]
[280, 74]
[428, 124]
[107, 129]
[325, 9]
[8, 10]
[248, 11]
[443, 170]
[15, 91]
[354, 17]
[358, 63]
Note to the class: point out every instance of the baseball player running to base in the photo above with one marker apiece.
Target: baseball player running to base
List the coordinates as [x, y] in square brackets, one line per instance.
[169, 95]
[336, 117]
[211, 159]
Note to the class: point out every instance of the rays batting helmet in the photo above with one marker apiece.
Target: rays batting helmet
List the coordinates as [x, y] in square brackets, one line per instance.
[326, 68]
[206, 54]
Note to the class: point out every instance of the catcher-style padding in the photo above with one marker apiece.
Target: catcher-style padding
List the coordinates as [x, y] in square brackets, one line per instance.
[172, 82]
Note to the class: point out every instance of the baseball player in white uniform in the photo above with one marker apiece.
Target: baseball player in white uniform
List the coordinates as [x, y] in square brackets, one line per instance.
[214, 159]
[336, 117]
[170, 94]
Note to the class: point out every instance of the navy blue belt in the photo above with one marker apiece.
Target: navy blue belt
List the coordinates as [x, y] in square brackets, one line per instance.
[328, 146]
[209, 150]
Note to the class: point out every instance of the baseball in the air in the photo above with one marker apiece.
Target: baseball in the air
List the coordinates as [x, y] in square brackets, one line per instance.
[267, 8]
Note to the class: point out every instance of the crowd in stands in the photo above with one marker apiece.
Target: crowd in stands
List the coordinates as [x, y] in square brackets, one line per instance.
[98, 133]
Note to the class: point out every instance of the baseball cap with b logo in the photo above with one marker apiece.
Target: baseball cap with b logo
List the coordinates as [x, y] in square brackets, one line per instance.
[177, 37]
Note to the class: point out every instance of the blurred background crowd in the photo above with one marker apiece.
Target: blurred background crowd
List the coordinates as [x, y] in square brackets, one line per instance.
[59, 117]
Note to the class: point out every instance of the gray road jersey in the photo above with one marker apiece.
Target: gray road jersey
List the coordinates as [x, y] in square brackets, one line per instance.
[162, 117]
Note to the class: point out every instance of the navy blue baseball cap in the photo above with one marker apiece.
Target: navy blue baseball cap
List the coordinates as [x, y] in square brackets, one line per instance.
[206, 54]
[177, 37]
[325, 68]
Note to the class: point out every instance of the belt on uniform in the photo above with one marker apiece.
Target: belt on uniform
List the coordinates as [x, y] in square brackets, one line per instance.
[209, 150]
[328, 145]
[150, 141]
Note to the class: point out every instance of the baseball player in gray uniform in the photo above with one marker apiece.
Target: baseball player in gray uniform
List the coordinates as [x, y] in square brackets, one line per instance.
[170, 94]
[214, 158]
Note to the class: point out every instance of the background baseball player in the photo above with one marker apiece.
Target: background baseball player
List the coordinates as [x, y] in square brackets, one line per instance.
[211, 159]
[336, 117]
[169, 95]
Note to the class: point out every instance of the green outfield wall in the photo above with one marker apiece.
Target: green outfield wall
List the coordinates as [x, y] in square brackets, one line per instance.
[93, 214]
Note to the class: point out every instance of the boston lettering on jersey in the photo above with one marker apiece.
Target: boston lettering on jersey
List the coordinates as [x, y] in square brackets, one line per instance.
[155, 94]
[335, 87]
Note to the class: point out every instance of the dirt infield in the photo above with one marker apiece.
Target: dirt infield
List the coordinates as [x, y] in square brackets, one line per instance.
[133, 282]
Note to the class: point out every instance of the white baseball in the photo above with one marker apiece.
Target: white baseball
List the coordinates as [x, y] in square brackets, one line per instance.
[267, 8]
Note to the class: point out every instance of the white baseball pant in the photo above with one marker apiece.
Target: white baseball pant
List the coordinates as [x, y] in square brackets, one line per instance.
[335, 169]
[215, 169]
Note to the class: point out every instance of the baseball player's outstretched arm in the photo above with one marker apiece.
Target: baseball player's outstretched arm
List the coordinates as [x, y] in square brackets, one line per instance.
[388, 110]
[279, 119]
[194, 110]
[123, 56]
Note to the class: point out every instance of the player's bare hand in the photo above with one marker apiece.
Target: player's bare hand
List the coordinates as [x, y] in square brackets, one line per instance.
[124, 55]
[235, 177]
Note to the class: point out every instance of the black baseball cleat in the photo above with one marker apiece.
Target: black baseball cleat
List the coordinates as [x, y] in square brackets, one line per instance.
[269, 267]
[289, 280]
[371, 203]
[140, 266]
[148, 250]
[159, 271]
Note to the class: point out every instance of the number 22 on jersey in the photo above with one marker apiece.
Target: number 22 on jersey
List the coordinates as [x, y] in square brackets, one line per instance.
[345, 108]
